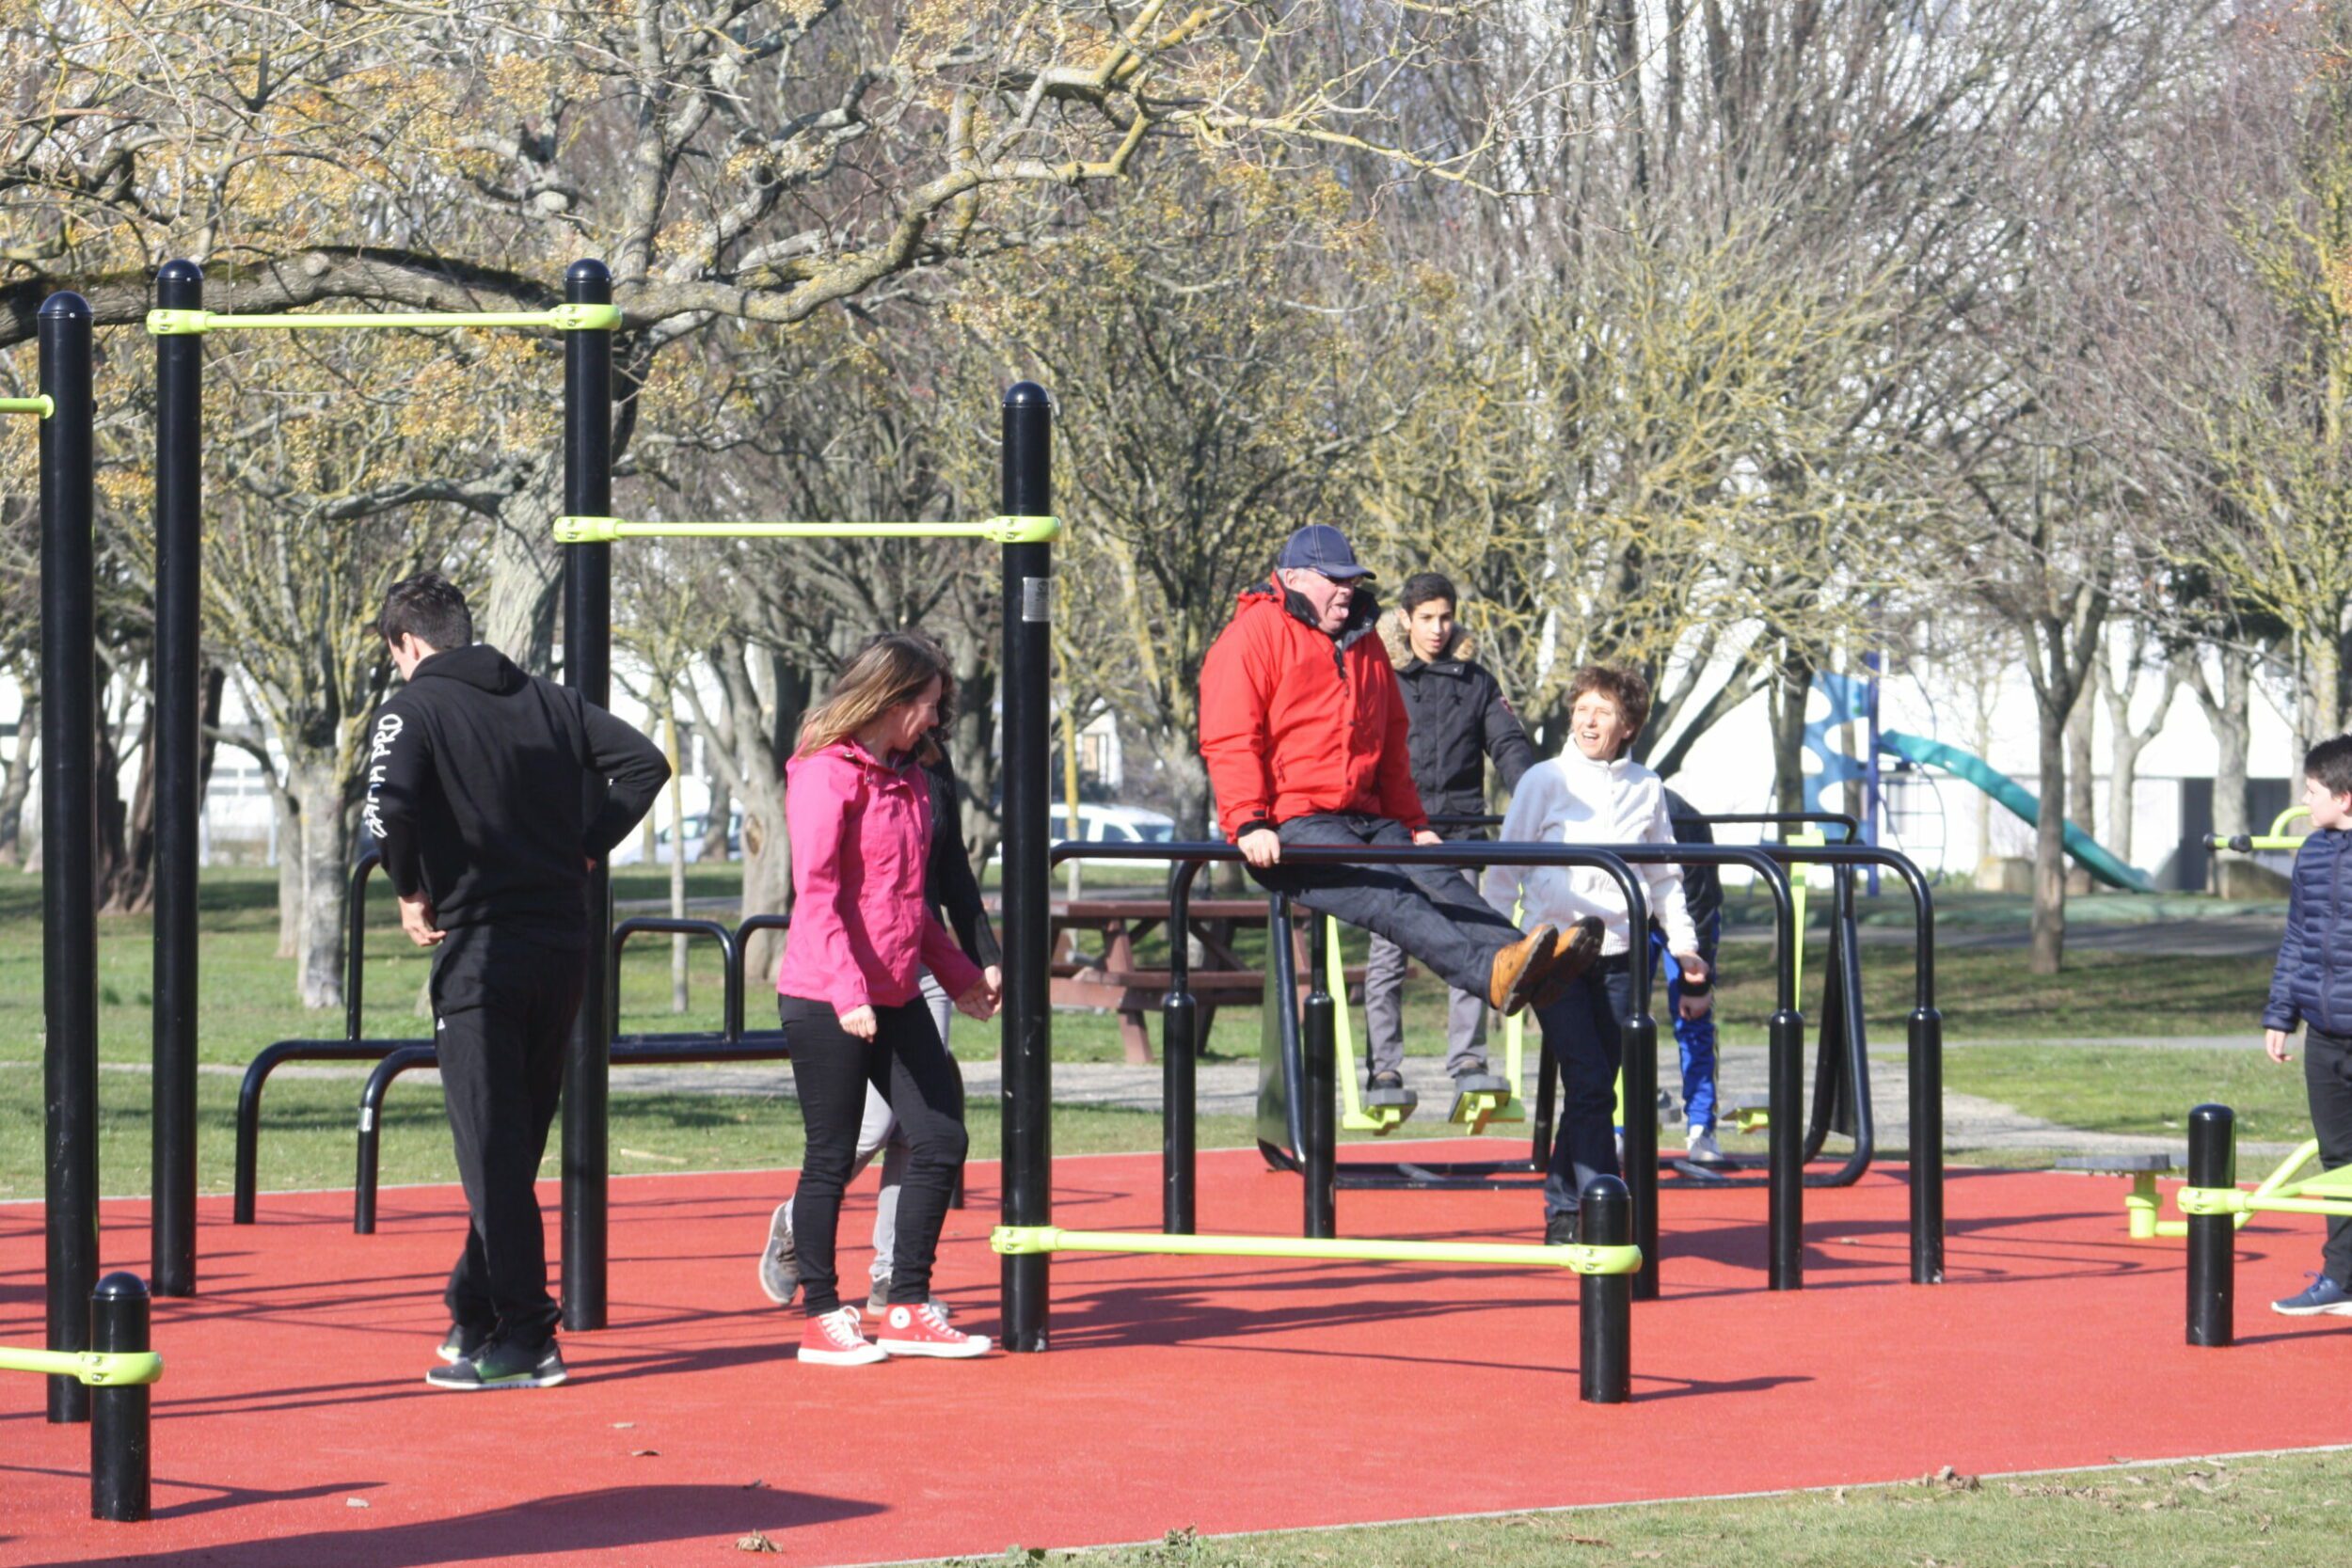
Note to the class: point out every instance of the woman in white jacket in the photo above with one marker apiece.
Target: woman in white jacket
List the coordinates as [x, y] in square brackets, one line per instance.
[1591, 793]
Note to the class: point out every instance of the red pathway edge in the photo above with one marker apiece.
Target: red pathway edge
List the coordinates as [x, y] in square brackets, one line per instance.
[1224, 1394]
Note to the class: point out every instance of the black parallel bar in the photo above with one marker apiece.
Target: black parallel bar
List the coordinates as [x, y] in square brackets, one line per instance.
[588, 668]
[2212, 1238]
[1318, 1056]
[179, 712]
[121, 1450]
[1927, 1147]
[371, 1128]
[1028, 1143]
[1640, 1067]
[1605, 1310]
[266, 1061]
[356, 945]
[69, 836]
[1785, 1214]
[731, 966]
[1179, 1074]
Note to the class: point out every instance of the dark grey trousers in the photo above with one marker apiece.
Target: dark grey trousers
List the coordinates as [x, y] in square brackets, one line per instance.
[1425, 909]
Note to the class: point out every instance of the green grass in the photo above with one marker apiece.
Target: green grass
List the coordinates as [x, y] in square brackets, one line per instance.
[2285, 1508]
[2144, 1089]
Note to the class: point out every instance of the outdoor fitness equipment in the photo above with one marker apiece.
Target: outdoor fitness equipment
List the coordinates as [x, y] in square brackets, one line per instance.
[96, 1329]
[2215, 1207]
[587, 319]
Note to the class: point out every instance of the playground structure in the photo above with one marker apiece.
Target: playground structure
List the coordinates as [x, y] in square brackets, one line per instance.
[2216, 1206]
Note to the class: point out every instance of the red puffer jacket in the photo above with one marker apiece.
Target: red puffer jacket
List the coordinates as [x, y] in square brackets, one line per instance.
[1294, 721]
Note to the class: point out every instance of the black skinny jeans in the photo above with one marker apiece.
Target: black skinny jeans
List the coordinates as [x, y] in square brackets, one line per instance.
[912, 1070]
[2328, 1076]
[1585, 1030]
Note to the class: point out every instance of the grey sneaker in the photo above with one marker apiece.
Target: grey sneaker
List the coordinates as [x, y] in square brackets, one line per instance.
[503, 1364]
[461, 1342]
[878, 1300]
[779, 1269]
[2323, 1296]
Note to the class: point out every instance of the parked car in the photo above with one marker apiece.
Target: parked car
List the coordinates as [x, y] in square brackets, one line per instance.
[1105, 824]
[631, 850]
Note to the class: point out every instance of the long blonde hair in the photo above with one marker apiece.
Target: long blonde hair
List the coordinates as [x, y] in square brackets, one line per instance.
[892, 668]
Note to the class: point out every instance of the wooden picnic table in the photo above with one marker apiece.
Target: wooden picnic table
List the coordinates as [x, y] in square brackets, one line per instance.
[1112, 978]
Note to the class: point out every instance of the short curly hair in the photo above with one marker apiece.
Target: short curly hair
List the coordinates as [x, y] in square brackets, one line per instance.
[1622, 684]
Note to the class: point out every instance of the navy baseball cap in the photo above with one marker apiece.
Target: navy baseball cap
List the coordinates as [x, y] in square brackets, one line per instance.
[1321, 547]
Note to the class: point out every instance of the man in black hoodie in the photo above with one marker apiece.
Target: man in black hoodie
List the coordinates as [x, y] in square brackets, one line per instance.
[490, 793]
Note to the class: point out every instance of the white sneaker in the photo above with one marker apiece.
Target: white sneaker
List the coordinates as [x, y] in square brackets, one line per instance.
[923, 1331]
[834, 1339]
[1699, 1146]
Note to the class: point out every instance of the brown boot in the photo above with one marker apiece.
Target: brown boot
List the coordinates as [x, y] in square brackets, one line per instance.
[1578, 945]
[1518, 967]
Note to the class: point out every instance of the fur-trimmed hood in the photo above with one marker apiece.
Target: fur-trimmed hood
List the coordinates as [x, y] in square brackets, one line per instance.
[1399, 643]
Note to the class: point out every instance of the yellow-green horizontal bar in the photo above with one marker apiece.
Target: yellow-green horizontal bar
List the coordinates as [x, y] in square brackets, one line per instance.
[1002, 531]
[2274, 841]
[2229, 1201]
[562, 318]
[98, 1369]
[41, 405]
[1579, 1260]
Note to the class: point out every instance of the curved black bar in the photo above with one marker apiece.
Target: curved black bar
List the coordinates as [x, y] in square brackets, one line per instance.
[354, 942]
[1922, 900]
[371, 1114]
[731, 969]
[268, 1060]
[742, 954]
[1757, 818]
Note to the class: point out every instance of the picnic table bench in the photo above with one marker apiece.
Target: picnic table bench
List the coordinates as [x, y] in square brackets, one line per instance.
[1113, 980]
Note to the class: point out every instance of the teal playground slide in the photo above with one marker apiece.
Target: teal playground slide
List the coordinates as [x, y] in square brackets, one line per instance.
[1976, 770]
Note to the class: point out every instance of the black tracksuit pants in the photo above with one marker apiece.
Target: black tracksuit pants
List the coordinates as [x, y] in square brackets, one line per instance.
[503, 1007]
[912, 1070]
[2328, 1076]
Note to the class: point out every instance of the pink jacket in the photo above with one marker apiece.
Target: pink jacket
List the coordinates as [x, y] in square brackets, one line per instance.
[861, 832]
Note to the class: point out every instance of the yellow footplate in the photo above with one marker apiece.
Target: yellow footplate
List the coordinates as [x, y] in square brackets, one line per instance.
[1476, 1109]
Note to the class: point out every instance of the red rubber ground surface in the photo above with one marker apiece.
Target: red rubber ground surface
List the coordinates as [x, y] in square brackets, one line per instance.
[1224, 1394]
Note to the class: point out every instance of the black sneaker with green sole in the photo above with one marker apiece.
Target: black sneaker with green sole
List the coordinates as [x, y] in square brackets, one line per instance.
[462, 1343]
[502, 1364]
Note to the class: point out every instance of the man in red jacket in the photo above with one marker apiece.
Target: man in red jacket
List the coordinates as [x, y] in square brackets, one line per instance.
[1305, 735]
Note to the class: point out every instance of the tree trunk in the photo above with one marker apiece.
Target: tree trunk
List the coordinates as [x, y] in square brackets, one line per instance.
[767, 880]
[20, 784]
[721, 810]
[2229, 713]
[114, 851]
[2049, 846]
[321, 792]
[517, 615]
[1791, 690]
[2081, 803]
[288, 813]
[680, 992]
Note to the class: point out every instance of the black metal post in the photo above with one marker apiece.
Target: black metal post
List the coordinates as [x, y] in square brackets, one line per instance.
[588, 668]
[1318, 1058]
[69, 836]
[356, 946]
[1641, 1131]
[1927, 1146]
[1179, 1049]
[1028, 1081]
[1784, 1217]
[179, 713]
[371, 1140]
[120, 1450]
[1605, 1309]
[2212, 1238]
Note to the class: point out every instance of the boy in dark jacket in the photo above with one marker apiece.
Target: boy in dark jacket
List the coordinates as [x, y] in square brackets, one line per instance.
[489, 794]
[1305, 737]
[2314, 988]
[1459, 719]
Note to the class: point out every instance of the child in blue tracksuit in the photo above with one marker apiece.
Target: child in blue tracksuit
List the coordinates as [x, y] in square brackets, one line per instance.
[2311, 988]
[1703, 892]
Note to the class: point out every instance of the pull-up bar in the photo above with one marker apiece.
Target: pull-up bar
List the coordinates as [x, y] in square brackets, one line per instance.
[562, 318]
[1001, 531]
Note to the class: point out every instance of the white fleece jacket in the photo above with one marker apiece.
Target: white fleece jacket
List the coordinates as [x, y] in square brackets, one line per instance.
[1574, 800]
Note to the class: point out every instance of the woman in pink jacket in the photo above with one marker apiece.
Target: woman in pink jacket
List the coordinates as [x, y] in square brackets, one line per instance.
[858, 810]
